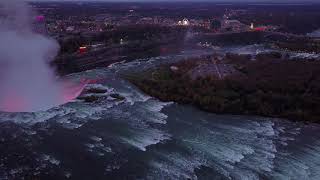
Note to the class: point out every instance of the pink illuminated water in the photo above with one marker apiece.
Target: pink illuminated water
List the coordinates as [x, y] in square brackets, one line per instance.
[13, 102]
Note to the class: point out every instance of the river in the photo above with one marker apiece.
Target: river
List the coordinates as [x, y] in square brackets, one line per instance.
[143, 138]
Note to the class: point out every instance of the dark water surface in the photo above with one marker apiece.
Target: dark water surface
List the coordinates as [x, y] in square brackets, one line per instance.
[143, 138]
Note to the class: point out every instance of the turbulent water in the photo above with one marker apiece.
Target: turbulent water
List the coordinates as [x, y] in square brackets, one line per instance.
[142, 138]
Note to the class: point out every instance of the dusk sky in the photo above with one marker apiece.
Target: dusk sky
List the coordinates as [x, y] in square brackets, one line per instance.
[279, 1]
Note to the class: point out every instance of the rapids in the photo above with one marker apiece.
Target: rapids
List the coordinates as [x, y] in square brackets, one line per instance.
[139, 137]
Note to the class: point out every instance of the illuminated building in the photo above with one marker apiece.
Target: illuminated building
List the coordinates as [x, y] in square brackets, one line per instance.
[185, 22]
[40, 25]
[252, 26]
[82, 49]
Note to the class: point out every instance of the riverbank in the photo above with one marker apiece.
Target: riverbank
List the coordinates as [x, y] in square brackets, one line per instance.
[271, 87]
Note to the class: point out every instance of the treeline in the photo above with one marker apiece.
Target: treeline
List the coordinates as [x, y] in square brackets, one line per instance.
[273, 88]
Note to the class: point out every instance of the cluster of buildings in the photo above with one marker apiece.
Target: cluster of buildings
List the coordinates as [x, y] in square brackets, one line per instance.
[99, 20]
[74, 26]
[102, 22]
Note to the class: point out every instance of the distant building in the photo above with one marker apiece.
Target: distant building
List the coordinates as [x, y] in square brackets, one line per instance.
[83, 49]
[184, 22]
[39, 25]
[234, 25]
[174, 68]
[251, 26]
[70, 29]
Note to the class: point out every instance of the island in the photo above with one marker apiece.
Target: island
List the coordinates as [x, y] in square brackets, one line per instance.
[266, 85]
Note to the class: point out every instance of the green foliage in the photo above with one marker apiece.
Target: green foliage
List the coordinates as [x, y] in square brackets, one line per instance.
[287, 89]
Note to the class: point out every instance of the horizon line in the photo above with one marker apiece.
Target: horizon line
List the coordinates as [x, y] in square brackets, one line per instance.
[229, 3]
[181, 1]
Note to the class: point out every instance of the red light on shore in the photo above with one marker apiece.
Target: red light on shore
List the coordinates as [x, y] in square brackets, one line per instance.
[82, 49]
[260, 29]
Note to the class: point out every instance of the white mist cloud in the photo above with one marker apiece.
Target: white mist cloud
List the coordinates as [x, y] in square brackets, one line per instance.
[27, 83]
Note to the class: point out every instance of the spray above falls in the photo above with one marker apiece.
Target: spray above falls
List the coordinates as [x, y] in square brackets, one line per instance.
[27, 83]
